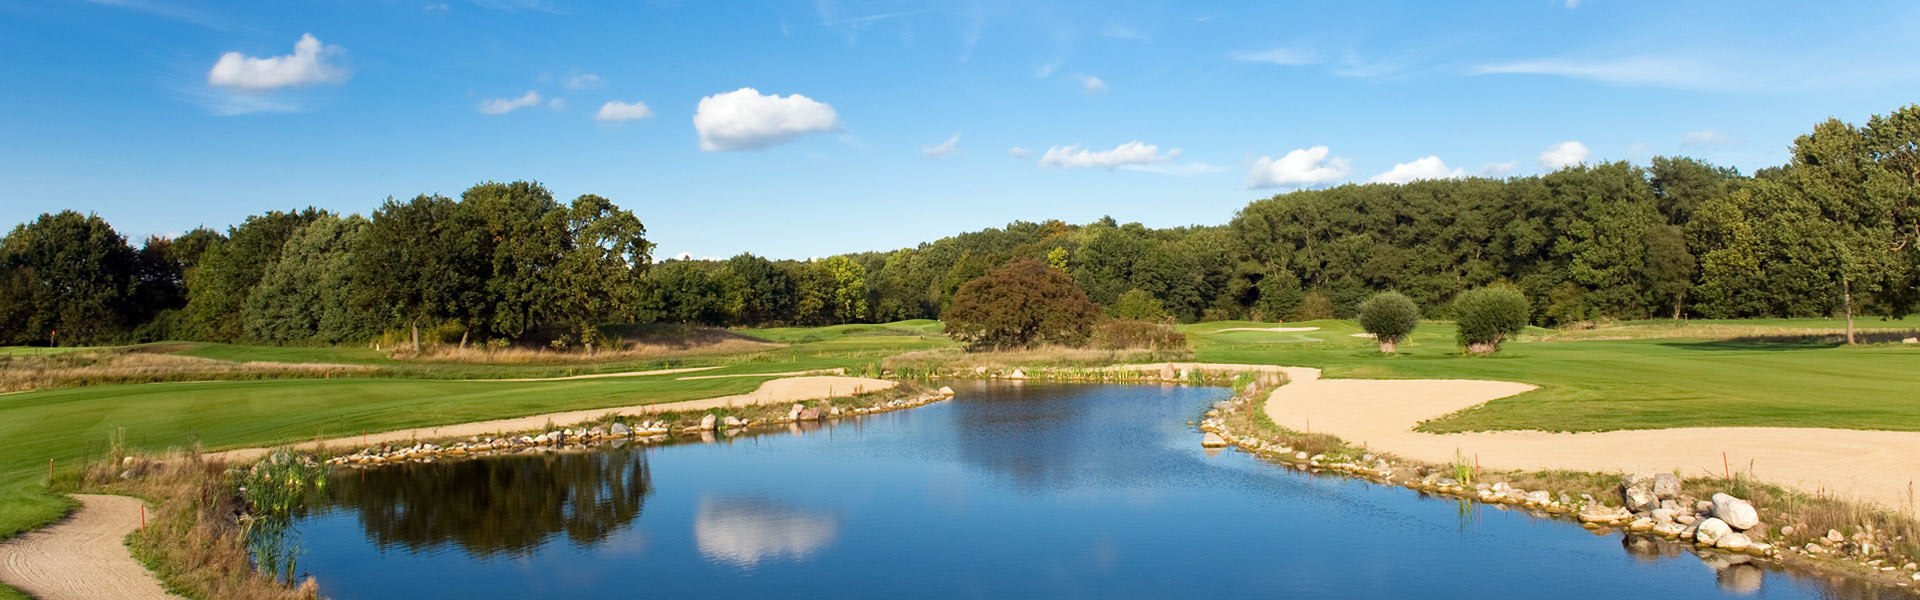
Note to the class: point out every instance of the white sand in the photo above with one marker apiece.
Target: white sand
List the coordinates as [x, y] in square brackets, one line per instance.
[83, 557]
[1874, 466]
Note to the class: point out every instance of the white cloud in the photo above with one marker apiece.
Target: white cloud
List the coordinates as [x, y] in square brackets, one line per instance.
[1495, 170]
[1633, 71]
[1300, 168]
[615, 111]
[557, 103]
[1573, 3]
[1703, 138]
[1130, 153]
[501, 106]
[744, 119]
[942, 149]
[1092, 86]
[1429, 167]
[583, 81]
[1019, 152]
[306, 66]
[1562, 155]
[1290, 57]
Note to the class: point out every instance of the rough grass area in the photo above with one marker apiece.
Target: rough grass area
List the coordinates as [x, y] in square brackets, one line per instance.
[1650, 383]
[122, 366]
[926, 328]
[948, 359]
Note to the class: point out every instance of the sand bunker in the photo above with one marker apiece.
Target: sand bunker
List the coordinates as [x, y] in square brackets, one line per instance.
[1875, 466]
[82, 557]
[778, 391]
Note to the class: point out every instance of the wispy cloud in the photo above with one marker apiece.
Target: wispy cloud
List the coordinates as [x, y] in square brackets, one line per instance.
[501, 106]
[1651, 71]
[1132, 153]
[583, 81]
[1092, 86]
[615, 111]
[1123, 32]
[1703, 138]
[175, 13]
[1290, 57]
[942, 149]
[1427, 167]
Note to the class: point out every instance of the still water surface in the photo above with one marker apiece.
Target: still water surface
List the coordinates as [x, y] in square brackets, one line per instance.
[1009, 491]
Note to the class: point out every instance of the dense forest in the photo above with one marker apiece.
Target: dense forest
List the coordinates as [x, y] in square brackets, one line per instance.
[1836, 231]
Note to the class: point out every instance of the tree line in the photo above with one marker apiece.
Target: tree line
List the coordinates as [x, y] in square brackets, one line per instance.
[1835, 231]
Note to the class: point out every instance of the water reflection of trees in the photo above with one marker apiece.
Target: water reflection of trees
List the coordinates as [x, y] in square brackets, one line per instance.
[497, 505]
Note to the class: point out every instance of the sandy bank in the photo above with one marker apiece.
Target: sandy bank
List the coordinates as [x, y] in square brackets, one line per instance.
[82, 557]
[778, 391]
[1874, 466]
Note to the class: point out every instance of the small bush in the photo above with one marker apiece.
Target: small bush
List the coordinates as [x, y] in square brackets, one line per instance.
[1314, 306]
[1487, 316]
[1139, 305]
[1132, 334]
[1390, 317]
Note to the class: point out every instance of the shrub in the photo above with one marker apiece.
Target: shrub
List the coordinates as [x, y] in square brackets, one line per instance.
[1139, 305]
[1487, 316]
[1390, 317]
[1019, 305]
[1133, 334]
[1280, 295]
[1314, 306]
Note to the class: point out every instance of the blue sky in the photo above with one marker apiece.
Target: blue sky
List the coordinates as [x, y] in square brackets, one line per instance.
[840, 125]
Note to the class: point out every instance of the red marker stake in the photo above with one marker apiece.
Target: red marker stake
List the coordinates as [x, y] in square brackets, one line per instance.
[1725, 466]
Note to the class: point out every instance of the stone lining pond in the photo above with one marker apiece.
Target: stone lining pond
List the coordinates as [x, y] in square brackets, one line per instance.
[1010, 490]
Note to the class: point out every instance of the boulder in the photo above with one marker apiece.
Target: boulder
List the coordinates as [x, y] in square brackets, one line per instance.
[946, 391]
[1669, 529]
[1541, 497]
[1212, 440]
[1666, 486]
[732, 422]
[1639, 497]
[979, 370]
[1596, 513]
[621, 430]
[708, 422]
[1711, 530]
[1167, 372]
[1733, 541]
[810, 414]
[1736, 512]
[1661, 515]
[1018, 374]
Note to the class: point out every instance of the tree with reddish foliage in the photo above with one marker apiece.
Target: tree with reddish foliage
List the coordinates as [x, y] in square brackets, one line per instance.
[1020, 305]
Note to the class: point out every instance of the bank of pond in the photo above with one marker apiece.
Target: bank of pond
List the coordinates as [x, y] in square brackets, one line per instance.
[1011, 489]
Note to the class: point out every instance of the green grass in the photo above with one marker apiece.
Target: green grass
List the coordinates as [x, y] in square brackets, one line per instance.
[40, 350]
[1619, 384]
[1585, 385]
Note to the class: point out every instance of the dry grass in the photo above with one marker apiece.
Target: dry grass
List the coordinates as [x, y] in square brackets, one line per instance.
[193, 542]
[1051, 356]
[627, 343]
[100, 367]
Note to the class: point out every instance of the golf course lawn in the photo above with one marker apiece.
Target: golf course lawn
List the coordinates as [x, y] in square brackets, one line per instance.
[1584, 386]
[1616, 384]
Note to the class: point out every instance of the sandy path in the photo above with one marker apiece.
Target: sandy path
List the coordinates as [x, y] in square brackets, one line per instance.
[606, 375]
[786, 374]
[1875, 466]
[83, 556]
[1269, 329]
[778, 391]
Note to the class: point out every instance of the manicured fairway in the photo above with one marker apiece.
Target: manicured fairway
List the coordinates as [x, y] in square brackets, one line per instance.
[1618, 384]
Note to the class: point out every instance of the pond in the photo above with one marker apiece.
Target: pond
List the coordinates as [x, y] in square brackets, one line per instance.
[1010, 490]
